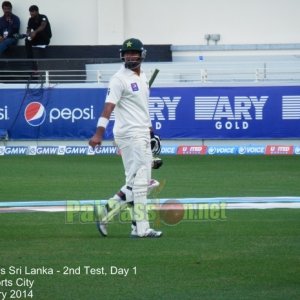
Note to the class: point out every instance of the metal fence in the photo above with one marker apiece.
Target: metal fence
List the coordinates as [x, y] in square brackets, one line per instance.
[224, 70]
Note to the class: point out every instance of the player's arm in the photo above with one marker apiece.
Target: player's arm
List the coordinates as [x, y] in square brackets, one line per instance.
[39, 29]
[97, 138]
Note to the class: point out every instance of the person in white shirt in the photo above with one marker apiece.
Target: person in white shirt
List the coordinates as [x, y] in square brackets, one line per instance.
[127, 96]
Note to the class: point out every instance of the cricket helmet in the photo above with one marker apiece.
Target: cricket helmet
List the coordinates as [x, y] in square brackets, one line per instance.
[133, 44]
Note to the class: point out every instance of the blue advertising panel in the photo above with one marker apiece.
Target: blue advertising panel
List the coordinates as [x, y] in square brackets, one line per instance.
[185, 112]
[52, 113]
[226, 112]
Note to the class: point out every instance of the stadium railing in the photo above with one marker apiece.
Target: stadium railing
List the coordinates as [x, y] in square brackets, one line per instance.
[211, 71]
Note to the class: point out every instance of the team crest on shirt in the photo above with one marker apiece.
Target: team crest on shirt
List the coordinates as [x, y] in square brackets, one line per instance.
[134, 87]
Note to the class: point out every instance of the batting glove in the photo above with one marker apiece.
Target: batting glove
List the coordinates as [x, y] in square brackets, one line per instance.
[155, 143]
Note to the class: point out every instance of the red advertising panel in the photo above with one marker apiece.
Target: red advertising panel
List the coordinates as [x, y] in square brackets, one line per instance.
[279, 149]
[192, 150]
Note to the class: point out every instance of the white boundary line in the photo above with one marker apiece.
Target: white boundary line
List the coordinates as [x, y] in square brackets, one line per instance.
[230, 203]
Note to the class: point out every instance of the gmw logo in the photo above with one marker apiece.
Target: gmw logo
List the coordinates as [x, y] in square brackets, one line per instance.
[35, 114]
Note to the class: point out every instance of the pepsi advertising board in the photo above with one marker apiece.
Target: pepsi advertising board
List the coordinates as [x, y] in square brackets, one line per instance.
[258, 112]
[50, 113]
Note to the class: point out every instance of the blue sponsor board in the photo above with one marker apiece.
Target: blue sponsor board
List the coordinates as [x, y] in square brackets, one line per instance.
[251, 150]
[222, 150]
[226, 112]
[72, 150]
[52, 113]
[185, 112]
[43, 150]
[169, 150]
[166, 150]
[103, 150]
[58, 150]
[297, 150]
[13, 150]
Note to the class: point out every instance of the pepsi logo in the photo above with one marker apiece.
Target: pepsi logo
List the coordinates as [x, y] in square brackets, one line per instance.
[35, 114]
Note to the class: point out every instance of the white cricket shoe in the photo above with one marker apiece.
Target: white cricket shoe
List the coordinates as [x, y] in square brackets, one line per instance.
[133, 231]
[150, 233]
[100, 212]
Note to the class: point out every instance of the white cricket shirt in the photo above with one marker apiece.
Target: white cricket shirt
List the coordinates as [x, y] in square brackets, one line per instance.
[130, 93]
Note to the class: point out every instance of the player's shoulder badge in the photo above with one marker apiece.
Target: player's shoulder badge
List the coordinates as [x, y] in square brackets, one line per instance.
[134, 87]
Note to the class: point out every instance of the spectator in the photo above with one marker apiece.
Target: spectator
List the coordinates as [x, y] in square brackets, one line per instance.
[38, 31]
[9, 27]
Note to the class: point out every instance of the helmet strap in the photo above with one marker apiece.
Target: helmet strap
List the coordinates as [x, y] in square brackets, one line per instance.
[132, 65]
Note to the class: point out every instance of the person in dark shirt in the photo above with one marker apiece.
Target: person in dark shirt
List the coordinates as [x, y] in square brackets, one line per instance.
[38, 31]
[9, 27]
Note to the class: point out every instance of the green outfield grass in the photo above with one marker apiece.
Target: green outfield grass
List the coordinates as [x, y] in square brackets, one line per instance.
[248, 254]
[98, 177]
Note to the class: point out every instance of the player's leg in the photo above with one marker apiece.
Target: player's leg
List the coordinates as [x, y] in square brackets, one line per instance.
[132, 160]
[103, 214]
[119, 201]
[140, 179]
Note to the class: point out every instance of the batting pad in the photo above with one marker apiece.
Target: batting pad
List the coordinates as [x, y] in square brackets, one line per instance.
[140, 212]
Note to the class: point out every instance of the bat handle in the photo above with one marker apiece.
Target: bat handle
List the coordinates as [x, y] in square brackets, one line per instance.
[153, 77]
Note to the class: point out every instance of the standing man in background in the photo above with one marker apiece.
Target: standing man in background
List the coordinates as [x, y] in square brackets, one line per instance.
[9, 27]
[38, 31]
[127, 95]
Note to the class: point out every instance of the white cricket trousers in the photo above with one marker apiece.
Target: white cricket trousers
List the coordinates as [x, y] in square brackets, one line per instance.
[137, 160]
